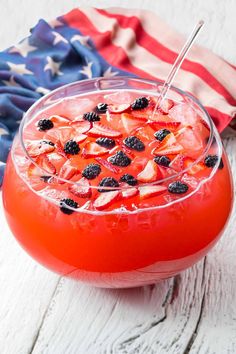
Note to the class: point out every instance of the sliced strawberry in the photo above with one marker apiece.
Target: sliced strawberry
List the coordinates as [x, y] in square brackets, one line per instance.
[130, 123]
[81, 188]
[66, 134]
[169, 140]
[80, 138]
[188, 161]
[81, 126]
[104, 200]
[151, 191]
[57, 160]
[166, 105]
[151, 173]
[38, 147]
[44, 165]
[108, 165]
[60, 149]
[146, 132]
[169, 150]
[129, 192]
[156, 125]
[67, 172]
[100, 130]
[121, 108]
[92, 149]
[59, 121]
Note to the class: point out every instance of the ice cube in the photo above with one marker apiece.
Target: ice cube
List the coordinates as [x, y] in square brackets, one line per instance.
[183, 113]
[119, 97]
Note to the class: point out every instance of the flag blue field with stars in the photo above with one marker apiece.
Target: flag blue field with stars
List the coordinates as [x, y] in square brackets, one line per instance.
[53, 55]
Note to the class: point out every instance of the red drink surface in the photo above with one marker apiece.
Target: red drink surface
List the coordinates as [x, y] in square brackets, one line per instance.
[135, 238]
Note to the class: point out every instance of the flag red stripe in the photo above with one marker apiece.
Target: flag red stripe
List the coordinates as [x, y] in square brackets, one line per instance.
[117, 56]
[221, 119]
[114, 55]
[165, 54]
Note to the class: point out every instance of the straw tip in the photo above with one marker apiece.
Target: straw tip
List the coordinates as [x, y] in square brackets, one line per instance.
[201, 23]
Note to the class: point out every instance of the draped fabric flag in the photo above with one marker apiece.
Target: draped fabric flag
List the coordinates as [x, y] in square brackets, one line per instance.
[87, 43]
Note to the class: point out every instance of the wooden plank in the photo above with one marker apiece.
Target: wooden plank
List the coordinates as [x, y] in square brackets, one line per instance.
[26, 288]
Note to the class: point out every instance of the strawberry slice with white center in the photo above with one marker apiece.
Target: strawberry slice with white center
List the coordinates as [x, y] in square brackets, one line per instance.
[121, 108]
[151, 191]
[81, 188]
[166, 105]
[57, 160]
[151, 173]
[130, 122]
[38, 147]
[66, 134]
[80, 138]
[44, 166]
[177, 163]
[188, 161]
[105, 199]
[67, 171]
[169, 150]
[129, 192]
[59, 121]
[100, 130]
[81, 126]
[108, 165]
[92, 149]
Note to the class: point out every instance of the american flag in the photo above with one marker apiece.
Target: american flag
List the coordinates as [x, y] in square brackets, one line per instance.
[89, 42]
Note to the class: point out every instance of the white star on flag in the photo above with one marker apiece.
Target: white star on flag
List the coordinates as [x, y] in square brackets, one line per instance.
[23, 48]
[109, 73]
[42, 90]
[55, 23]
[3, 131]
[53, 66]
[11, 82]
[87, 70]
[58, 38]
[82, 39]
[18, 68]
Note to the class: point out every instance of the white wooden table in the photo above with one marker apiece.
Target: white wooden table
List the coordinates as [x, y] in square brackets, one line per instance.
[194, 312]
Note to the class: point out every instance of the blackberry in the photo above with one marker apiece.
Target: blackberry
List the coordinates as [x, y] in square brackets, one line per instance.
[48, 142]
[45, 178]
[45, 124]
[140, 103]
[71, 147]
[91, 117]
[162, 160]
[134, 143]
[131, 180]
[108, 182]
[106, 142]
[211, 161]
[120, 159]
[101, 108]
[161, 134]
[70, 202]
[91, 171]
[178, 187]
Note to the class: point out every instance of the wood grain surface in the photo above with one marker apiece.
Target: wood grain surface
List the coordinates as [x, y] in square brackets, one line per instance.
[195, 312]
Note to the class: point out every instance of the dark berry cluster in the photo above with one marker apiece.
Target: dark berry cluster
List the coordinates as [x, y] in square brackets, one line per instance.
[70, 203]
[134, 143]
[101, 108]
[140, 103]
[71, 147]
[129, 179]
[45, 124]
[178, 187]
[212, 160]
[120, 159]
[91, 171]
[108, 182]
[161, 134]
[106, 142]
[162, 160]
[91, 117]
